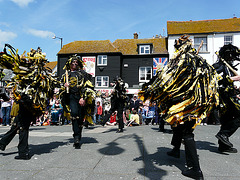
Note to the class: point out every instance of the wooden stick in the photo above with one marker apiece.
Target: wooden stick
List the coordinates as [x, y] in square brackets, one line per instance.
[225, 62]
[67, 88]
[200, 47]
[230, 67]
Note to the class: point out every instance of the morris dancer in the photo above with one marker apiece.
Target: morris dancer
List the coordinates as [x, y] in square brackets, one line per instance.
[118, 100]
[79, 101]
[32, 86]
[229, 109]
[186, 91]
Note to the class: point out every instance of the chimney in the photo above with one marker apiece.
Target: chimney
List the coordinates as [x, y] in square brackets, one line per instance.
[135, 35]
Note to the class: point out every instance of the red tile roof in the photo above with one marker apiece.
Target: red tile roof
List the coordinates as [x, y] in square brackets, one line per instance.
[205, 26]
[51, 65]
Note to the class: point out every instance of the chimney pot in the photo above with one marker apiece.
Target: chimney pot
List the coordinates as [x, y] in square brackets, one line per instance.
[135, 35]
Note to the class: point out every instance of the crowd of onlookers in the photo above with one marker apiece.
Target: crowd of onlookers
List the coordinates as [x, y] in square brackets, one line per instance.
[136, 112]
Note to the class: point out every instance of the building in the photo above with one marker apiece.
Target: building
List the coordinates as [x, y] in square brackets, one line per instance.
[140, 58]
[213, 33]
[134, 60]
[53, 66]
[102, 60]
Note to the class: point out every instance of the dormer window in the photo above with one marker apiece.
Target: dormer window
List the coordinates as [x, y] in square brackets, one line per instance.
[144, 49]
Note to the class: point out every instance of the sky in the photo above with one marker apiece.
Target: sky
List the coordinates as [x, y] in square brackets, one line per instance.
[27, 24]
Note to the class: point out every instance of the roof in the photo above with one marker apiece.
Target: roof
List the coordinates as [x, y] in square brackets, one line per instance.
[130, 46]
[51, 65]
[204, 26]
[100, 46]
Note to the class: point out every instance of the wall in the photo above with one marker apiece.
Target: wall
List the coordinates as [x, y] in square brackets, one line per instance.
[112, 69]
[215, 42]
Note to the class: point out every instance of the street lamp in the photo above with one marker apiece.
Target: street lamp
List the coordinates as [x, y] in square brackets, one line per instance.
[54, 37]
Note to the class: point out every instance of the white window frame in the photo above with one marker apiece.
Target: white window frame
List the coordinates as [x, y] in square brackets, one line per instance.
[146, 49]
[204, 47]
[101, 81]
[102, 61]
[145, 73]
[226, 41]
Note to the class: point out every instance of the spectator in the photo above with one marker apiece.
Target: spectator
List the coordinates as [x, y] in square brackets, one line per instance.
[56, 111]
[134, 103]
[134, 121]
[106, 103]
[150, 114]
[52, 101]
[113, 120]
[99, 112]
[6, 109]
[45, 118]
[142, 114]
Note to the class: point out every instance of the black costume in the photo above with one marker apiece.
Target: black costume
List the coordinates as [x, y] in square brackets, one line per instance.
[20, 124]
[118, 100]
[32, 86]
[80, 86]
[229, 109]
[186, 91]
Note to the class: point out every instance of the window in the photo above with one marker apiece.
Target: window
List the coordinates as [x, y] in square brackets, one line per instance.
[102, 60]
[197, 42]
[102, 81]
[145, 74]
[144, 49]
[227, 40]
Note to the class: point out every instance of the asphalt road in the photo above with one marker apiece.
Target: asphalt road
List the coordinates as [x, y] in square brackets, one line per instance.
[137, 154]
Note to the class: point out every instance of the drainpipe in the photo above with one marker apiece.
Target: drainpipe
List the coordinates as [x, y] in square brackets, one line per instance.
[213, 48]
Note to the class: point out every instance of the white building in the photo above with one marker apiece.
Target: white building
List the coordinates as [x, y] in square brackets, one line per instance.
[214, 33]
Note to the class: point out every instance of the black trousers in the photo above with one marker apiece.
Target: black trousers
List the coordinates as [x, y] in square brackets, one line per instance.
[185, 132]
[161, 123]
[116, 105]
[229, 125]
[21, 123]
[77, 113]
[177, 137]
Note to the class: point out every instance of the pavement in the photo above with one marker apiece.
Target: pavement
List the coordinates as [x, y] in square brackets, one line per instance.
[139, 153]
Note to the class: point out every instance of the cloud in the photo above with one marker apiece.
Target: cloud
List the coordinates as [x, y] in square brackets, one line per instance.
[40, 33]
[22, 3]
[6, 36]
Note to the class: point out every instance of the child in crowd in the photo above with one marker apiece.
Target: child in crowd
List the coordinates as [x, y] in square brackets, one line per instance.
[99, 112]
[134, 121]
[113, 120]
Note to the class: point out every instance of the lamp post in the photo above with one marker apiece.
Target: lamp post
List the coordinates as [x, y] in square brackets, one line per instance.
[61, 39]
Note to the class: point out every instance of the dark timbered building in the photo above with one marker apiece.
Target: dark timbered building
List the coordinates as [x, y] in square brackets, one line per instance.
[134, 60]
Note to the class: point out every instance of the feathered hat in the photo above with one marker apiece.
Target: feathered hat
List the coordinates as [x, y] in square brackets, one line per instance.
[73, 58]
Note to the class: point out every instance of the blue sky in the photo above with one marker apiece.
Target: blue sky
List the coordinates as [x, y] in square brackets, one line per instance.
[27, 24]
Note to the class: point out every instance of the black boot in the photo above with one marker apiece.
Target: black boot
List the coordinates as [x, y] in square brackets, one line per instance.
[224, 139]
[22, 157]
[192, 173]
[76, 143]
[119, 131]
[192, 160]
[175, 152]
[78, 138]
[223, 148]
